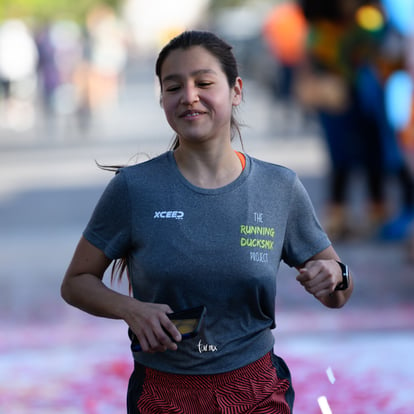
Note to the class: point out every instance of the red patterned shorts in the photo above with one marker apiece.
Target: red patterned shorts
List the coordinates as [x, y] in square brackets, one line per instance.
[261, 387]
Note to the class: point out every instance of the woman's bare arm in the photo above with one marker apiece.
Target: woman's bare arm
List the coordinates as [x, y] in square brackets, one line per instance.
[83, 288]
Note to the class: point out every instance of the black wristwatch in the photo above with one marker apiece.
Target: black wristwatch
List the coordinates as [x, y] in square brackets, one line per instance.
[345, 277]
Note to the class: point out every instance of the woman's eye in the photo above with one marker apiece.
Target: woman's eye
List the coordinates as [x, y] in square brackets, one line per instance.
[172, 88]
[204, 84]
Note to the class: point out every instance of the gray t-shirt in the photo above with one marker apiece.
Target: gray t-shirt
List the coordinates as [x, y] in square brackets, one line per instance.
[188, 246]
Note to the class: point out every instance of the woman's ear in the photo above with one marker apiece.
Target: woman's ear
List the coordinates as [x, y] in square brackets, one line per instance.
[237, 92]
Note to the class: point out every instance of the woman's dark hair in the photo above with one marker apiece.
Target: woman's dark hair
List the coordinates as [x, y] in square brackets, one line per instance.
[214, 45]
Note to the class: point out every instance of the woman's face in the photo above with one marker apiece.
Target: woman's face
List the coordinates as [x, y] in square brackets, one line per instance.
[196, 96]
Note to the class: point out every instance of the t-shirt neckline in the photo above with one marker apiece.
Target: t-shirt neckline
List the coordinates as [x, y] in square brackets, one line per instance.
[228, 187]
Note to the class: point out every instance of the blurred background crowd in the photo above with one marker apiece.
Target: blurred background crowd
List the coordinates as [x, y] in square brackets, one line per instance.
[347, 65]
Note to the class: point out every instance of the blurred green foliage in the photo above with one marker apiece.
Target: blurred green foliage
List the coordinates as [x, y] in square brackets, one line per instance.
[222, 4]
[38, 11]
[44, 10]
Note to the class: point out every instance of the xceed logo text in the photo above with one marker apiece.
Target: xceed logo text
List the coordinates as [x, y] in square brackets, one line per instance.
[177, 215]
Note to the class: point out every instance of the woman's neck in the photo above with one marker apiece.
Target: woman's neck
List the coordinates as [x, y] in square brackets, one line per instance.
[208, 168]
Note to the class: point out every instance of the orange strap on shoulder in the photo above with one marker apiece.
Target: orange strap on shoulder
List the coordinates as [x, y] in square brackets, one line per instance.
[242, 159]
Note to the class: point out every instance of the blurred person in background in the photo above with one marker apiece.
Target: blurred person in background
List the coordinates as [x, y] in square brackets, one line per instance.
[203, 224]
[407, 133]
[284, 33]
[343, 79]
[399, 94]
[60, 44]
[106, 58]
[80, 68]
[48, 70]
[18, 60]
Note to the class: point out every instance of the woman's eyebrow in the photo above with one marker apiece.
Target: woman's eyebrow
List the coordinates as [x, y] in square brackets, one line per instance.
[175, 77]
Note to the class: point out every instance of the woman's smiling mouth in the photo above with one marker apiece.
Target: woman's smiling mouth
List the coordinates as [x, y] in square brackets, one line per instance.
[190, 114]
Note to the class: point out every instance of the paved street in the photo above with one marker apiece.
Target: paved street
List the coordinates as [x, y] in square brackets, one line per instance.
[56, 359]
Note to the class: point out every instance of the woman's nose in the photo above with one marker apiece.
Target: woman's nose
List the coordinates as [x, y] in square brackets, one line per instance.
[190, 95]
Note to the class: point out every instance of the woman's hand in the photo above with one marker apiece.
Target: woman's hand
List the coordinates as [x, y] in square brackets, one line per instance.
[152, 327]
[321, 275]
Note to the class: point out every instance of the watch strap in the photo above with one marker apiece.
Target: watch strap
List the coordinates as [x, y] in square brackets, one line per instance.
[344, 284]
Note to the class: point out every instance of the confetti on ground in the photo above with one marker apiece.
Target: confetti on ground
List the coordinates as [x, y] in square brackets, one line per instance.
[323, 405]
[330, 375]
[83, 367]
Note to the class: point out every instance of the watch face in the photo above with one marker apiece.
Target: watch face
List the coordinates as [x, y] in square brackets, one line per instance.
[345, 277]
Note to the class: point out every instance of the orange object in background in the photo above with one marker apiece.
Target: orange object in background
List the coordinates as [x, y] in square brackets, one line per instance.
[285, 32]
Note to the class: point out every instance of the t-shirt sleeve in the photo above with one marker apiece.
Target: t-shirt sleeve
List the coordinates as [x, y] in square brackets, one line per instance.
[109, 226]
[304, 235]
